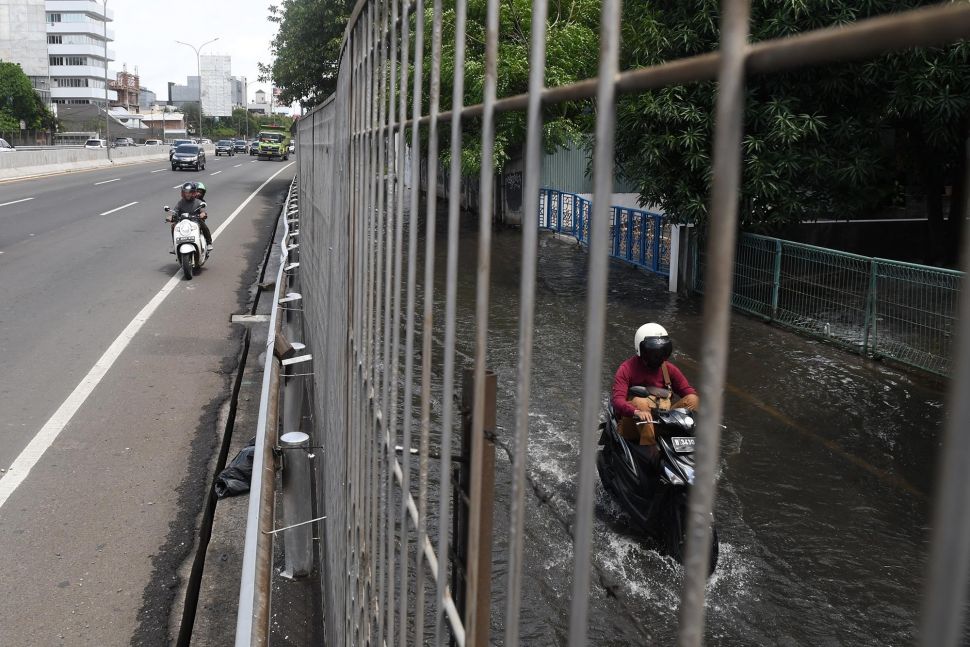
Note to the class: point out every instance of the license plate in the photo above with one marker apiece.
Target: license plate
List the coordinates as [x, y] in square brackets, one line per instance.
[185, 239]
[683, 444]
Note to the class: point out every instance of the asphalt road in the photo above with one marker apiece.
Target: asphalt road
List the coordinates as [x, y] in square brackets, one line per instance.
[117, 405]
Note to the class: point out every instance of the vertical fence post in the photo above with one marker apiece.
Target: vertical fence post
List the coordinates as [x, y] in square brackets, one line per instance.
[477, 624]
[657, 234]
[297, 507]
[869, 325]
[776, 280]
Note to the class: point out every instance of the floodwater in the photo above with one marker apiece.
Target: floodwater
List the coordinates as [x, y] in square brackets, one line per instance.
[824, 484]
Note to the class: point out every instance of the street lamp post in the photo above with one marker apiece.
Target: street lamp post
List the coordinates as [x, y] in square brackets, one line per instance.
[107, 117]
[198, 69]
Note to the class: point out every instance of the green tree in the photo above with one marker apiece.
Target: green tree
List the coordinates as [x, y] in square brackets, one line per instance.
[306, 48]
[833, 141]
[19, 102]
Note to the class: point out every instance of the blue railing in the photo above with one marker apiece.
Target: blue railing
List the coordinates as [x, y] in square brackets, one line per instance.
[638, 237]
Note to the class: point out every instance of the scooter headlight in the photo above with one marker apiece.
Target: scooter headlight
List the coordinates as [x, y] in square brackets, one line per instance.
[184, 228]
[673, 478]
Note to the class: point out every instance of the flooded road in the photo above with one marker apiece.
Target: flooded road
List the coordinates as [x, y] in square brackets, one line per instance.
[825, 478]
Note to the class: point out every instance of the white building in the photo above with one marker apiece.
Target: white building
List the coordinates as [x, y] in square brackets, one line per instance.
[23, 40]
[77, 38]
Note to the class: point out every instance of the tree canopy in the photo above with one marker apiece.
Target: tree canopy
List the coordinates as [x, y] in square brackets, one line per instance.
[18, 101]
[831, 141]
[306, 49]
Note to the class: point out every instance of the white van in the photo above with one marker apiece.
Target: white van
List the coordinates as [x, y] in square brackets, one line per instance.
[95, 143]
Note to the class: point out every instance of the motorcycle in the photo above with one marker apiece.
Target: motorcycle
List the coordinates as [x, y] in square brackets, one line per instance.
[654, 493]
[188, 241]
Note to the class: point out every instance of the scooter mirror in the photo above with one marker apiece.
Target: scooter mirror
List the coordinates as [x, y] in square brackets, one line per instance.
[166, 208]
[203, 204]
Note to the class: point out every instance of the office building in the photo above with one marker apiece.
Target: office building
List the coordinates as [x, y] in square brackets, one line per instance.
[23, 40]
[77, 37]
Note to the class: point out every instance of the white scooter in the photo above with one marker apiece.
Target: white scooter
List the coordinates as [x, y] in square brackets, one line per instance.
[188, 241]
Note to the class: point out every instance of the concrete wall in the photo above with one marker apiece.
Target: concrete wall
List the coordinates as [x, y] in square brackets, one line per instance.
[64, 160]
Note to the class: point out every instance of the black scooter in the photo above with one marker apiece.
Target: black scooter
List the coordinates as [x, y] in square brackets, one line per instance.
[653, 493]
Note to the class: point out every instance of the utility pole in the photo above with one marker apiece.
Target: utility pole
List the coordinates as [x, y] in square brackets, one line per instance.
[198, 69]
[107, 116]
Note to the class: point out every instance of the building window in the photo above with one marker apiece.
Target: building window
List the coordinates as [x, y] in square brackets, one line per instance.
[57, 60]
[53, 17]
[54, 39]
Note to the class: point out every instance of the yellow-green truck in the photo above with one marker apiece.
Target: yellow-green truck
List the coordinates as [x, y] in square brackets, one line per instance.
[273, 142]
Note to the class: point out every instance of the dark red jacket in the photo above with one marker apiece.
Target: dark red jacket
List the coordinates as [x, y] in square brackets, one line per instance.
[633, 372]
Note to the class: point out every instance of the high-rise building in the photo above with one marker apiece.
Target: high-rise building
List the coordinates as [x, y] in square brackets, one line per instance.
[23, 40]
[216, 85]
[77, 37]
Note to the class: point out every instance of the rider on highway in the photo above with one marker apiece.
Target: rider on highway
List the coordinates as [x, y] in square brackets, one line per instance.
[191, 201]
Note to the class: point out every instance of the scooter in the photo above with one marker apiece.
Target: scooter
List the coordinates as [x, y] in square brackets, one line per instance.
[654, 493]
[188, 241]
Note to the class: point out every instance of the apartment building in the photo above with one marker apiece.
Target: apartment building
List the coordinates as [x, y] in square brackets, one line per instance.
[23, 40]
[77, 38]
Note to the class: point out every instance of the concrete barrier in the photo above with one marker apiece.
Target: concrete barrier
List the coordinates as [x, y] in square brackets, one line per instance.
[23, 164]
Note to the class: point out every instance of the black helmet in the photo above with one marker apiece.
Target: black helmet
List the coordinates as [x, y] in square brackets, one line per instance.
[200, 190]
[188, 188]
[653, 345]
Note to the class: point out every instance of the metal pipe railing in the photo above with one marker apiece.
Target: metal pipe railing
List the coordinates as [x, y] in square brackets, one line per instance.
[252, 619]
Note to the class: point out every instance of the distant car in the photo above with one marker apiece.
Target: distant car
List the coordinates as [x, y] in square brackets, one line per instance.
[123, 141]
[153, 142]
[176, 144]
[189, 156]
[206, 141]
[95, 143]
[241, 146]
[254, 147]
[224, 147]
[5, 147]
[291, 148]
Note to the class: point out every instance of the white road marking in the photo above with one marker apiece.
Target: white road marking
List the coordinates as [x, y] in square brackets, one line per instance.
[124, 206]
[15, 201]
[237, 165]
[216, 173]
[253, 161]
[117, 179]
[35, 449]
[160, 170]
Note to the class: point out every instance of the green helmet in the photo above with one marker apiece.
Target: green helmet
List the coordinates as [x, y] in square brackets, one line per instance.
[200, 190]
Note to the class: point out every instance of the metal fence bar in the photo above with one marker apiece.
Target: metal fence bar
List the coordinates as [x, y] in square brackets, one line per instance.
[482, 288]
[595, 313]
[945, 595]
[380, 341]
[527, 292]
[390, 320]
[451, 298]
[401, 590]
[726, 174]
[427, 329]
[413, 222]
[916, 28]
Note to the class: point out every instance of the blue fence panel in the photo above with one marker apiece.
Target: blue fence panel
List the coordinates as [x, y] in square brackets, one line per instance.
[638, 237]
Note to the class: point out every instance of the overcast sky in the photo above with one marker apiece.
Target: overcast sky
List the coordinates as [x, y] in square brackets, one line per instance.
[145, 35]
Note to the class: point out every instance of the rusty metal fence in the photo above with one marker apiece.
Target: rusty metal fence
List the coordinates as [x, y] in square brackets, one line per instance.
[372, 386]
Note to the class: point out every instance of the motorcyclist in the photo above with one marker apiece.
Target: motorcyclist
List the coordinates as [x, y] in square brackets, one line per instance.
[190, 202]
[649, 368]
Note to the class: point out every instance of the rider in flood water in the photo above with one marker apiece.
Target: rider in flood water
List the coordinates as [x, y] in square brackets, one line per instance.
[649, 368]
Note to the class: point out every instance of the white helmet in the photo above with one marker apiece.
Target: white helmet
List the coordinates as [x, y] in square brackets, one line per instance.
[652, 344]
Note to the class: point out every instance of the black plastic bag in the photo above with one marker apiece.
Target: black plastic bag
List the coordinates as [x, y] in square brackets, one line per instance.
[235, 479]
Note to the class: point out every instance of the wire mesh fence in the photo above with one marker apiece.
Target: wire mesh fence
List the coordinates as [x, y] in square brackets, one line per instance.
[872, 306]
[383, 574]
